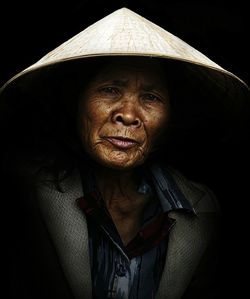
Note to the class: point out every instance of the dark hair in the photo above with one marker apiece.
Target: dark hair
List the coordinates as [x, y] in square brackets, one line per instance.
[38, 123]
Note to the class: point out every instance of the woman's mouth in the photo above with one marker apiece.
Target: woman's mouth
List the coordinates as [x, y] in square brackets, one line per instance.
[121, 142]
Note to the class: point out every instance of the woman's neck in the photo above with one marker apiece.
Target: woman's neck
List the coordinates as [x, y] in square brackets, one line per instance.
[124, 203]
[115, 185]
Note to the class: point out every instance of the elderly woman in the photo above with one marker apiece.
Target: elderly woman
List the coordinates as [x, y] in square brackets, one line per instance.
[107, 215]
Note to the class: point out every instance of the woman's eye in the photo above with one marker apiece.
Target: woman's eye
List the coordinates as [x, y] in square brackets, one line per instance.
[151, 97]
[109, 90]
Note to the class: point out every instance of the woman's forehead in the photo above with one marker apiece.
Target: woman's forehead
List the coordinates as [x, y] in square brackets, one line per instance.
[123, 69]
[136, 63]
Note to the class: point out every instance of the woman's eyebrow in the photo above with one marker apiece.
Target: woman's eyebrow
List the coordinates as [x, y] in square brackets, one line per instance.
[117, 82]
[149, 87]
[152, 87]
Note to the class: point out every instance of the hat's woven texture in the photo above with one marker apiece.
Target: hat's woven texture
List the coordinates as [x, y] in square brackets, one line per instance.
[125, 33]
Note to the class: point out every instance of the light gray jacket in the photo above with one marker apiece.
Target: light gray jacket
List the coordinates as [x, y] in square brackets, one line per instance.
[191, 254]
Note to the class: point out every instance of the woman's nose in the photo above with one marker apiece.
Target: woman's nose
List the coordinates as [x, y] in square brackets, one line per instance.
[127, 114]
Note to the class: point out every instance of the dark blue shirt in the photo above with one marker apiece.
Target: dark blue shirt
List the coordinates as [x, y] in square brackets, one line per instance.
[132, 271]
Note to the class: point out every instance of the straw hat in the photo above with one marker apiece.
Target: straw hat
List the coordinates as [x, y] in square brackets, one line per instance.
[125, 33]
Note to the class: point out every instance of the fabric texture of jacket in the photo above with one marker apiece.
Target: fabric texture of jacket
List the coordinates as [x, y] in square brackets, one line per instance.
[54, 260]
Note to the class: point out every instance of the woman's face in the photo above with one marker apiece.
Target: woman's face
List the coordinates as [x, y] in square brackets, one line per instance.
[123, 112]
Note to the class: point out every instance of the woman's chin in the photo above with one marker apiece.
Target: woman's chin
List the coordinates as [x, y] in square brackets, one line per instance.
[117, 159]
[120, 164]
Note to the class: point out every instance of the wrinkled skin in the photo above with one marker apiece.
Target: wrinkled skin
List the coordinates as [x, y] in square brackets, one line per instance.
[123, 112]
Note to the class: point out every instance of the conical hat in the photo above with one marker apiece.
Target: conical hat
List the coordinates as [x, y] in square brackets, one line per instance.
[125, 33]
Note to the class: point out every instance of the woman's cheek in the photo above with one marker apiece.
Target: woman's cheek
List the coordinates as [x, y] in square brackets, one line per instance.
[86, 131]
[158, 129]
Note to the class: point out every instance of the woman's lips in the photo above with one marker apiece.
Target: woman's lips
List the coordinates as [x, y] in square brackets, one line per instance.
[121, 142]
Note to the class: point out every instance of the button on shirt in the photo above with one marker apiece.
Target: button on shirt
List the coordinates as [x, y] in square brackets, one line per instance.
[132, 271]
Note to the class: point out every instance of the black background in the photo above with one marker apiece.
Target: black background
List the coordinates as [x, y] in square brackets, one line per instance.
[218, 29]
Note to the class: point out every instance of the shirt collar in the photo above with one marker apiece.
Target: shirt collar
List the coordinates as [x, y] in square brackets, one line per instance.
[169, 193]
